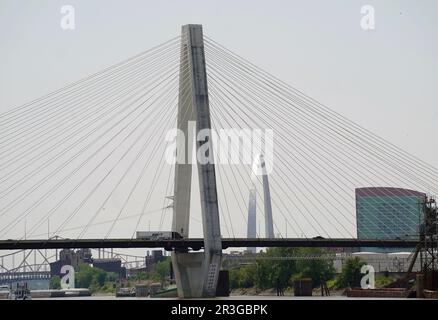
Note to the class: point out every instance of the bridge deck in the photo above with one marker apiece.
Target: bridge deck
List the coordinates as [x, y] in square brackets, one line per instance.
[198, 243]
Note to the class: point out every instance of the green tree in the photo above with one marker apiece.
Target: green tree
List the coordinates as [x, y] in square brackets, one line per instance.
[319, 270]
[246, 276]
[350, 275]
[112, 277]
[94, 286]
[94, 279]
[141, 276]
[269, 270]
[382, 281]
[100, 277]
[108, 287]
[55, 282]
[243, 277]
[161, 271]
[234, 275]
[85, 274]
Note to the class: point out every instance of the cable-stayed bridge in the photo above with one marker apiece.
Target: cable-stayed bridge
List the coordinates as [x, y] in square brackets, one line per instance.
[90, 162]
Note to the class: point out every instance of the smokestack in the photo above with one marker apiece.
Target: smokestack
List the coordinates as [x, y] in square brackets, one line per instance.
[269, 224]
[252, 222]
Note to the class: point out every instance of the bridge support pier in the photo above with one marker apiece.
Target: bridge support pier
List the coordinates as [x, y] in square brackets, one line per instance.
[189, 273]
[196, 274]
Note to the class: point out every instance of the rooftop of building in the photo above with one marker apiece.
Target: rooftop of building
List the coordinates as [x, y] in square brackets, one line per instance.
[387, 192]
[103, 260]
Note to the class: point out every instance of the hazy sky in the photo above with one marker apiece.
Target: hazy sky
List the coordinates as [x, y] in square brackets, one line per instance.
[384, 79]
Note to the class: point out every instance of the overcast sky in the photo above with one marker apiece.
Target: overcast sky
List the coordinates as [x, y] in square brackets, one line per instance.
[384, 79]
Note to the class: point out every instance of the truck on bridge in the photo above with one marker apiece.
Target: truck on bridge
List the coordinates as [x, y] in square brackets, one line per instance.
[158, 235]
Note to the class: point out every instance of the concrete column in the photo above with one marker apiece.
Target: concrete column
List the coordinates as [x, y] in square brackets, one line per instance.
[196, 274]
[269, 224]
[252, 222]
[183, 169]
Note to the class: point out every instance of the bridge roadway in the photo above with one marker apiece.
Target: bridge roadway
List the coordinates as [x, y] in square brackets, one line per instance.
[198, 243]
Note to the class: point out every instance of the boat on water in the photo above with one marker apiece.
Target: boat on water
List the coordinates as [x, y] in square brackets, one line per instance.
[125, 292]
[169, 292]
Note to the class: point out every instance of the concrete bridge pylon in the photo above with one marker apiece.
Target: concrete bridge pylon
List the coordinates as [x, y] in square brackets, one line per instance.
[196, 274]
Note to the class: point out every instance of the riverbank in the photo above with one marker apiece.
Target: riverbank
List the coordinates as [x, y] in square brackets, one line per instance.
[272, 292]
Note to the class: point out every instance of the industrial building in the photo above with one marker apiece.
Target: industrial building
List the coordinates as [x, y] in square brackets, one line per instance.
[151, 259]
[75, 258]
[110, 265]
[69, 257]
[388, 213]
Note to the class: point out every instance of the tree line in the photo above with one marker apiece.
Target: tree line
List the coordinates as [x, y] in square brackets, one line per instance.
[267, 273]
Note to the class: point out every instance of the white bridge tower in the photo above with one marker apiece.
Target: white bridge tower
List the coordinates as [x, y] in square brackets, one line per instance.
[196, 274]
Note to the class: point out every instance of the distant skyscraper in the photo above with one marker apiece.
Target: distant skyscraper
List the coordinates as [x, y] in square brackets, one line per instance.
[252, 219]
[387, 213]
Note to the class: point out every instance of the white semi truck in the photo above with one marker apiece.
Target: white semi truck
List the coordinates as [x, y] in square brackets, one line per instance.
[158, 235]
